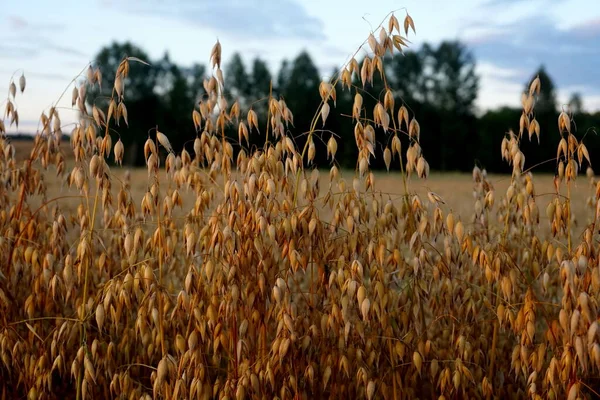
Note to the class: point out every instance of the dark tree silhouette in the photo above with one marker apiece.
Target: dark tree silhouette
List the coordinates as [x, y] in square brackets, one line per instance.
[437, 84]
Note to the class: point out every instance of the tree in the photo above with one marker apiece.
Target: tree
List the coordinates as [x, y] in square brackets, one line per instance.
[283, 76]
[301, 94]
[341, 127]
[195, 76]
[450, 88]
[576, 103]
[176, 102]
[303, 74]
[545, 113]
[160, 94]
[261, 80]
[238, 79]
[140, 97]
[141, 80]
[546, 101]
[492, 125]
[407, 77]
[455, 83]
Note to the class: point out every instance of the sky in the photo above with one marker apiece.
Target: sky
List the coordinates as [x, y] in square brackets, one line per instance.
[52, 42]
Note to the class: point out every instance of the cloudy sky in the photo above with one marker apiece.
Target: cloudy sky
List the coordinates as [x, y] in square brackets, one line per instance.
[53, 41]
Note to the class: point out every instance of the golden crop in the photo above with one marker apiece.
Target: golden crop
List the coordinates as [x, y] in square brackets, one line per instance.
[276, 281]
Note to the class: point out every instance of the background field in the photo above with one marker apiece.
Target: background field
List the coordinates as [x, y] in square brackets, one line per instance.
[454, 188]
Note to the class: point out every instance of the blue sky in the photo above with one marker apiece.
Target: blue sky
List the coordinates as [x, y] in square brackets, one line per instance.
[53, 41]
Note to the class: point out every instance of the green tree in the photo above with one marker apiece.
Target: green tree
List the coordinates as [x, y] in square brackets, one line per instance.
[261, 79]
[283, 76]
[455, 83]
[546, 113]
[372, 93]
[161, 94]
[177, 99]
[140, 98]
[195, 76]
[237, 80]
[440, 86]
[407, 77]
[455, 87]
[491, 126]
[141, 80]
[546, 100]
[341, 127]
[576, 103]
[301, 94]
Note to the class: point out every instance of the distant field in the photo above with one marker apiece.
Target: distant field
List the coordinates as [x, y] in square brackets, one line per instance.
[454, 188]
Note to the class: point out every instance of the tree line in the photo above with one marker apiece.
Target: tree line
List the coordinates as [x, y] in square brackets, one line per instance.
[438, 85]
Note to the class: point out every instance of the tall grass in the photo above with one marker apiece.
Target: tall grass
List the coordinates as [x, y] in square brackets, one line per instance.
[252, 292]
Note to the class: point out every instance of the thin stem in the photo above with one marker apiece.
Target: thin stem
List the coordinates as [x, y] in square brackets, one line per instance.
[82, 316]
[160, 267]
[569, 215]
[268, 114]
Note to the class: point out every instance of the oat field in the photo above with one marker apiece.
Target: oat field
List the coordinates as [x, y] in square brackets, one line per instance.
[210, 274]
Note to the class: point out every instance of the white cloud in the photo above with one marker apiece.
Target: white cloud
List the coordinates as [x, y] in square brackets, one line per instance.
[236, 18]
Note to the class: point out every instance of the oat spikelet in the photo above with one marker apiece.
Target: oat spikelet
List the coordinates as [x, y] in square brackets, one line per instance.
[387, 158]
[372, 42]
[164, 141]
[119, 151]
[393, 24]
[74, 96]
[252, 119]
[22, 83]
[100, 316]
[215, 55]
[535, 86]
[331, 147]
[409, 23]
[434, 198]
[324, 112]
